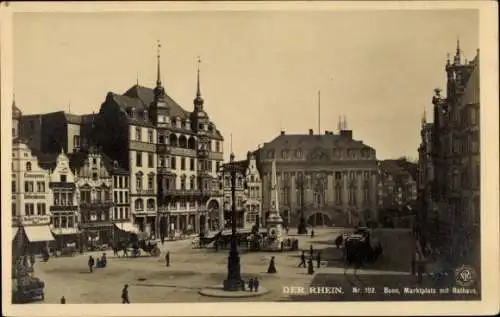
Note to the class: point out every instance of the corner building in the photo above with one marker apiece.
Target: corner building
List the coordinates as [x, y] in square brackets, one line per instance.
[334, 174]
[172, 156]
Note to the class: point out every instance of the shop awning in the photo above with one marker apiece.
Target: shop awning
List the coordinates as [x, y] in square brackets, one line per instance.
[14, 232]
[128, 227]
[38, 233]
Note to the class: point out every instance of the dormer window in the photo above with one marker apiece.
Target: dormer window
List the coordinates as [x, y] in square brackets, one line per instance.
[174, 122]
[183, 124]
[210, 127]
[201, 126]
[270, 154]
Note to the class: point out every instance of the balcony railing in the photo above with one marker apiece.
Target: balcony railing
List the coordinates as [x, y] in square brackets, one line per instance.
[144, 191]
[63, 208]
[96, 204]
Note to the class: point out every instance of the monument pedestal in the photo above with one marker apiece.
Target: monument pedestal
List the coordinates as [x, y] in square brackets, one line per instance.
[275, 232]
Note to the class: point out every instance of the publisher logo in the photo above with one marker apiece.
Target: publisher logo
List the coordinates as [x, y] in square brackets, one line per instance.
[465, 275]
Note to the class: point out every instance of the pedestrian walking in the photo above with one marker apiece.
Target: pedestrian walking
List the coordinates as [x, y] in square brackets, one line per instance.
[312, 233]
[310, 266]
[318, 258]
[167, 259]
[311, 250]
[250, 284]
[302, 259]
[125, 299]
[256, 284]
[63, 300]
[91, 263]
[272, 266]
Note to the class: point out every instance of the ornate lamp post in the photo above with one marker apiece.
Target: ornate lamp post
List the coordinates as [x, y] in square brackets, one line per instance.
[301, 229]
[233, 282]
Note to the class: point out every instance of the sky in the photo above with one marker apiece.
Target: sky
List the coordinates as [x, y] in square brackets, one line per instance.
[260, 72]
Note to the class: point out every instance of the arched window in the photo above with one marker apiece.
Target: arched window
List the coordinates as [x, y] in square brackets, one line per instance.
[182, 141]
[192, 143]
[151, 204]
[139, 204]
[28, 166]
[173, 140]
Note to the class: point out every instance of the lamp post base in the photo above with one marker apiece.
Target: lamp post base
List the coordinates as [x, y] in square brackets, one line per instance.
[233, 281]
[233, 285]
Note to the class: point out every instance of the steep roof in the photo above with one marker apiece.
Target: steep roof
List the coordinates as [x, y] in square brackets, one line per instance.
[77, 159]
[399, 168]
[143, 97]
[307, 141]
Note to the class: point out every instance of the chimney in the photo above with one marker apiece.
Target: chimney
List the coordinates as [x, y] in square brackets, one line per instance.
[311, 132]
[282, 132]
[346, 133]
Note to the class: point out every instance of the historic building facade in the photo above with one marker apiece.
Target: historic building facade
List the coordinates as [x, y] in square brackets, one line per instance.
[94, 196]
[63, 206]
[331, 177]
[454, 215]
[122, 216]
[397, 193]
[31, 199]
[248, 191]
[172, 155]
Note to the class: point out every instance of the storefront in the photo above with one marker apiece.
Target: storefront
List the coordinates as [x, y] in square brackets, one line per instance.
[65, 237]
[96, 234]
[35, 239]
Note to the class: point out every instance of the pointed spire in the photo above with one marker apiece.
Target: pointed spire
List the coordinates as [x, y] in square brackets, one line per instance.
[458, 53]
[448, 55]
[345, 123]
[198, 101]
[424, 118]
[198, 90]
[158, 74]
[339, 124]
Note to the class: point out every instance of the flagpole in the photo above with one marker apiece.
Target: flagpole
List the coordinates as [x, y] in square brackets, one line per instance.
[319, 112]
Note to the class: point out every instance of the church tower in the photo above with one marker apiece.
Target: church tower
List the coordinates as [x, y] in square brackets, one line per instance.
[159, 109]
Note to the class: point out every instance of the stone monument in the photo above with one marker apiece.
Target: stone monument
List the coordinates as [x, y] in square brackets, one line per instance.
[274, 220]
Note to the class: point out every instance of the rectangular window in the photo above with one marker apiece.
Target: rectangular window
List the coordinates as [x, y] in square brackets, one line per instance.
[125, 181]
[115, 181]
[173, 164]
[40, 187]
[126, 197]
[183, 163]
[29, 209]
[150, 136]
[115, 196]
[28, 187]
[151, 160]
[63, 178]
[150, 182]
[71, 222]
[138, 159]
[217, 146]
[191, 164]
[76, 141]
[64, 222]
[121, 198]
[120, 181]
[14, 186]
[138, 134]
[121, 212]
[126, 212]
[115, 213]
[14, 210]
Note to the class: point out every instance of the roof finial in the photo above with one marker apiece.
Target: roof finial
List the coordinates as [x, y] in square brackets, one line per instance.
[345, 123]
[198, 90]
[339, 124]
[457, 54]
[158, 78]
[13, 99]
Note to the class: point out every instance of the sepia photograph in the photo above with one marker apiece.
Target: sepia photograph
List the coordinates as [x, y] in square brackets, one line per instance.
[263, 154]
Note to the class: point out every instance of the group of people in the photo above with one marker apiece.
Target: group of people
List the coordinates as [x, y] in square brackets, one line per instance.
[310, 264]
[101, 262]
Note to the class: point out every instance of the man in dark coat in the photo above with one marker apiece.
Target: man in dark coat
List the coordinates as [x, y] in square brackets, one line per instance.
[302, 259]
[91, 263]
[167, 259]
[256, 284]
[125, 299]
[310, 266]
[318, 258]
